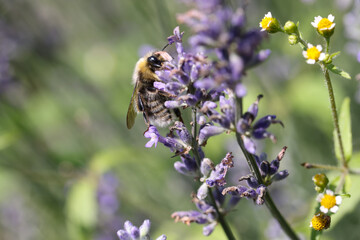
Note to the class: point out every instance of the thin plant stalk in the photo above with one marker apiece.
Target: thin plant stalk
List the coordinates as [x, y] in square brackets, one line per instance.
[256, 173]
[334, 113]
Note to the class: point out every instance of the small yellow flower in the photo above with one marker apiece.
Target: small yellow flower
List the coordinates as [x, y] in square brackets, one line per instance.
[313, 54]
[269, 24]
[320, 221]
[324, 26]
[329, 202]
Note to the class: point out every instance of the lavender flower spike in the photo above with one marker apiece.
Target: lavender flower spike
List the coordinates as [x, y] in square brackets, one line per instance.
[131, 232]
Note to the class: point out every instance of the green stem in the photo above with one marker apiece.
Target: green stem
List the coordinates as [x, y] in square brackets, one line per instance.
[221, 219]
[334, 113]
[321, 166]
[256, 173]
[327, 45]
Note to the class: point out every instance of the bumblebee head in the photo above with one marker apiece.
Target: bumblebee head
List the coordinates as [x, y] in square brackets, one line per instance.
[157, 60]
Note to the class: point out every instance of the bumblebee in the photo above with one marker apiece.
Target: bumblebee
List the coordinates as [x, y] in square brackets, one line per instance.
[146, 98]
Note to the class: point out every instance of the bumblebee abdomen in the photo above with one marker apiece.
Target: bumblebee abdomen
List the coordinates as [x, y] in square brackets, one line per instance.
[158, 114]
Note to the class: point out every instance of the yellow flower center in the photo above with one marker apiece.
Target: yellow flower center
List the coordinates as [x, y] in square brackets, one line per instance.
[324, 24]
[265, 22]
[313, 53]
[328, 201]
[320, 221]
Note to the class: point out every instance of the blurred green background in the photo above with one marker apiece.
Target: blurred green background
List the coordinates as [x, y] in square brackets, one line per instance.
[65, 85]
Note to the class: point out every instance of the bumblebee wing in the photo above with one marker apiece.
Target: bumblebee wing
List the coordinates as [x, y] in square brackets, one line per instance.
[131, 113]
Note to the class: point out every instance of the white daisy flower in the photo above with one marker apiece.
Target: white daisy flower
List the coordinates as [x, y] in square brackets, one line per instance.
[329, 202]
[313, 54]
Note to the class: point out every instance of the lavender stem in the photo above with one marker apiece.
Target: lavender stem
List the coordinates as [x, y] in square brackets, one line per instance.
[255, 171]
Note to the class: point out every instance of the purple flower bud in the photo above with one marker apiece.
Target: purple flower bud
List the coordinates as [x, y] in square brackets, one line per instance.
[207, 107]
[242, 126]
[190, 99]
[249, 145]
[181, 168]
[189, 162]
[123, 235]
[145, 227]
[274, 167]
[205, 83]
[208, 229]
[173, 87]
[201, 120]
[263, 55]
[206, 167]
[128, 226]
[174, 104]
[238, 19]
[250, 193]
[209, 131]
[233, 201]
[153, 134]
[265, 122]
[202, 191]
[162, 237]
[183, 133]
[159, 85]
[219, 198]
[237, 67]
[253, 109]
[252, 182]
[265, 167]
[134, 233]
[188, 217]
[280, 175]
[240, 90]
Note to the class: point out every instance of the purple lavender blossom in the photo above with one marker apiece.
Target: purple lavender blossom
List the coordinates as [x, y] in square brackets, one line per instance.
[257, 194]
[258, 130]
[221, 29]
[131, 232]
[173, 142]
[206, 215]
[187, 165]
[217, 176]
[270, 171]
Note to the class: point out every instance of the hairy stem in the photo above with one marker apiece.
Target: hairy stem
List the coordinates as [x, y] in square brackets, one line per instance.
[334, 113]
[322, 166]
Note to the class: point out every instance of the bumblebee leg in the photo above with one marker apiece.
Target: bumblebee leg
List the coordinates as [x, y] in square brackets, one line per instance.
[141, 109]
[178, 114]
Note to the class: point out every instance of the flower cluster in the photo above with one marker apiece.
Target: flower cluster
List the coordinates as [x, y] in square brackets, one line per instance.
[211, 86]
[214, 176]
[131, 232]
[329, 203]
[257, 130]
[270, 171]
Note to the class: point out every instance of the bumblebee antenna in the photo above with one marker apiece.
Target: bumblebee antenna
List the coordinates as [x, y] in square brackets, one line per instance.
[164, 47]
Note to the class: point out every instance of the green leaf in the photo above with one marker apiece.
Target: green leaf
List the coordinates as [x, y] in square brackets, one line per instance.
[345, 130]
[338, 71]
[334, 55]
